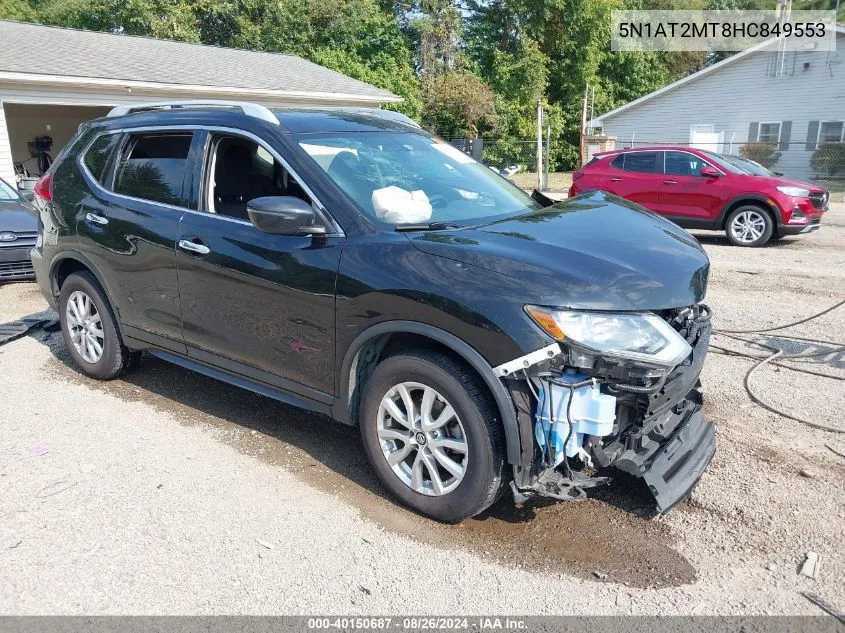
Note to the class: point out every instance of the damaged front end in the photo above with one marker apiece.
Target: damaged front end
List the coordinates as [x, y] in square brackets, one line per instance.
[619, 391]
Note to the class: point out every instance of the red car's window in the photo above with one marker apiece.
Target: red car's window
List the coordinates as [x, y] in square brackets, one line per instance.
[643, 162]
[683, 164]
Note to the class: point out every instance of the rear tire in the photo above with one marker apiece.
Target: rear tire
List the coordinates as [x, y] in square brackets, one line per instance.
[470, 443]
[749, 225]
[90, 329]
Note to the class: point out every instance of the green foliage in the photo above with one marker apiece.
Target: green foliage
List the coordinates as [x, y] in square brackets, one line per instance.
[764, 153]
[457, 104]
[17, 10]
[166, 19]
[828, 161]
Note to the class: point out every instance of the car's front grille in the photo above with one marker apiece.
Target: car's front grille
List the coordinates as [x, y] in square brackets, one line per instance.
[16, 270]
[26, 238]
[820, 200]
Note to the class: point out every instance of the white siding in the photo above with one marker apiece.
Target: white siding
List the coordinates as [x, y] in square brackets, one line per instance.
[7, 171]
[741, 93]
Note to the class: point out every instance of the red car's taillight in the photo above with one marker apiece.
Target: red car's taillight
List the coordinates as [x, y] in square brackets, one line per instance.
[44, 187]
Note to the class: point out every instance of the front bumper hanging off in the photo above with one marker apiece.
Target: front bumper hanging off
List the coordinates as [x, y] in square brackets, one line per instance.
[675, 443]
[679, 464]
[662, 438]
[671, 455]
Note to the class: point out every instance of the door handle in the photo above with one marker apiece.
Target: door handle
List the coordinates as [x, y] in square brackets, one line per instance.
[96, 219]
[615, 179]
[670, 182]
[193, 247]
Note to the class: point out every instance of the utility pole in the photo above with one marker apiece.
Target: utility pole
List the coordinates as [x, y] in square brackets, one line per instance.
[582, 150]
[539, 145]
[548, 154]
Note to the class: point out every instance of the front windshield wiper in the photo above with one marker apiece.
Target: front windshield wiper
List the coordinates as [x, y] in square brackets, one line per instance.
[425, 226]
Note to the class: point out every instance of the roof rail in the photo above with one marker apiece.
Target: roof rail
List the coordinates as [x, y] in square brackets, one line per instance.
[389, 115]
[249, 109]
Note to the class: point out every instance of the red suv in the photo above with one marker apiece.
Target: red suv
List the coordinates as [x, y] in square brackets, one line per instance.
[704, 190]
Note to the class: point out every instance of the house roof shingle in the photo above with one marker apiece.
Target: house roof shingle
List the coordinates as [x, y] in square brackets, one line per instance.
[89, 54]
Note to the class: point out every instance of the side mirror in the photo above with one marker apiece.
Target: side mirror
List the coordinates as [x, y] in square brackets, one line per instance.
[710, 172]
[283, 215]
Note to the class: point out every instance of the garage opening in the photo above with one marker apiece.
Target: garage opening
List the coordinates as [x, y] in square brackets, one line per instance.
[37, 133]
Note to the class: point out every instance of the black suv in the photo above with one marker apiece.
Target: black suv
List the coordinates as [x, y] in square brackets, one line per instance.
[348, 262]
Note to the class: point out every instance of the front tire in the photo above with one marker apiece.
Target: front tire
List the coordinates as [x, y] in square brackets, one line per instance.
[749, 225]
[432, 435]
[90, 329]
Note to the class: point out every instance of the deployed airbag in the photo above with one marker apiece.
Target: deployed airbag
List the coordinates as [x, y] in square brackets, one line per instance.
[400, 206]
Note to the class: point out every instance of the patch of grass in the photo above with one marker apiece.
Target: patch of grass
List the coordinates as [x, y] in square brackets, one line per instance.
[558, 181]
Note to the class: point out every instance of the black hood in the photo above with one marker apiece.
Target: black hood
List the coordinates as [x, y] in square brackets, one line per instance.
[15, 217]
[595, 251]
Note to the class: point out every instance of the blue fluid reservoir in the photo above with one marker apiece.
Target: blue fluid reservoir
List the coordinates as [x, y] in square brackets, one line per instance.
[591, 413]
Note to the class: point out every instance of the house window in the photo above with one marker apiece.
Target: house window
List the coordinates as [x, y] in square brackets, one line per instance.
[831, 132]
[769, 132]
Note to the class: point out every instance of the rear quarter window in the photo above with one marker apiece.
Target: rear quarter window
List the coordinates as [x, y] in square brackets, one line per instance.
[97, 156]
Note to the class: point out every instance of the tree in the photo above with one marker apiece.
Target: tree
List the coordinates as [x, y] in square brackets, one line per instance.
[457, 104]
[17, 10]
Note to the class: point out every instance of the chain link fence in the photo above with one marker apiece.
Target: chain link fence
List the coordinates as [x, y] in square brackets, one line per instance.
[517, 160]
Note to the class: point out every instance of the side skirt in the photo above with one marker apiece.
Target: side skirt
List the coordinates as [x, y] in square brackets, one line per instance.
[245, 383]
[704, 224]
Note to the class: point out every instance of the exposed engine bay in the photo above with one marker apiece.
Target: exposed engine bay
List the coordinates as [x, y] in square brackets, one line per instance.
[592, 412]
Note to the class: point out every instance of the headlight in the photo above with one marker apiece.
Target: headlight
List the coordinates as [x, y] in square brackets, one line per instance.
[795, 192]
[635, 336]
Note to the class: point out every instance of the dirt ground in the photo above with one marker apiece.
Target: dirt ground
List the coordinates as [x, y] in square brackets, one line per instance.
[166, 492]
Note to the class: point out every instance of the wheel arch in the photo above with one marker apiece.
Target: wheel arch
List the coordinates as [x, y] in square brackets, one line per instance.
[69, 262]
[375, 339]
[752, 199]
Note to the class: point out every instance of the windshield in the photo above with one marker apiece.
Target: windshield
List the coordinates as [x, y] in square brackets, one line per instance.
[408, 178]
[740, 165]
[7, 193]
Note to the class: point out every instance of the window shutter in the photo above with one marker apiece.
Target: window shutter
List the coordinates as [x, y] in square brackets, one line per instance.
[812, 136]
[785, 131]
[752, 132]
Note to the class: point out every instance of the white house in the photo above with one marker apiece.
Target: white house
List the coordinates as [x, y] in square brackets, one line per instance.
[794, 99]
[52, 79]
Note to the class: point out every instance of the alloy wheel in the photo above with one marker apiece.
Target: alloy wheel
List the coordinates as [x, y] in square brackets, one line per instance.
[748, 226]
[422, 439]
[85, 326]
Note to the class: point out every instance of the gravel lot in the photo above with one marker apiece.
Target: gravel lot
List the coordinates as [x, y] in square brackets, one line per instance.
[169, 493]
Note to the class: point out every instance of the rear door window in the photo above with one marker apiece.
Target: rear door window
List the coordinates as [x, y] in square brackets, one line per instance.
[97, 157]
[683, 164]
[643, 162]
[152, 166]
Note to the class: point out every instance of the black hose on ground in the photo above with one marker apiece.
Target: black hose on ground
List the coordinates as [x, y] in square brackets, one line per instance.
[780, 353]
